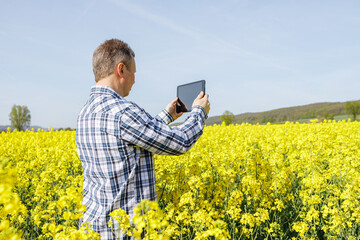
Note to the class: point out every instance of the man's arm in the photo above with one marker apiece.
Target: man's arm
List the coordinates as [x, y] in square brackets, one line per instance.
[165, 116]
[138, 128]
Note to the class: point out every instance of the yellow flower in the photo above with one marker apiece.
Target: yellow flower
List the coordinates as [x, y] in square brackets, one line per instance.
[300, 227]
[238, 181]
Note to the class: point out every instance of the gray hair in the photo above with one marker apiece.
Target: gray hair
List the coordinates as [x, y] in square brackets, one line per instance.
[108, 55]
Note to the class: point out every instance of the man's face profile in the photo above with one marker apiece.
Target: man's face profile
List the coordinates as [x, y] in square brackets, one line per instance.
[129, 76]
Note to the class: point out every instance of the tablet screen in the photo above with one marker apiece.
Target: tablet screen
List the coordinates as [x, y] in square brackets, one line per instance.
[188, 92]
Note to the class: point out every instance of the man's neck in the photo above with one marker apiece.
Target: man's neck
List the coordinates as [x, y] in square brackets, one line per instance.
[110, 81]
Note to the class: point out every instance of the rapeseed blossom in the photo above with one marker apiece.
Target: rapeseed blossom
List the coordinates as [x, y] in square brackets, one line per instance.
[49, 184]
[286, 181]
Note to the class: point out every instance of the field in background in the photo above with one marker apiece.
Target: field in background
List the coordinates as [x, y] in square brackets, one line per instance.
[239, 181]
[336, 118]
[293, 114]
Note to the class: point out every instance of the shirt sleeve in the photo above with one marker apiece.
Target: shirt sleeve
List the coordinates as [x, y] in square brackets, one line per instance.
[165, 116]
[153, 134]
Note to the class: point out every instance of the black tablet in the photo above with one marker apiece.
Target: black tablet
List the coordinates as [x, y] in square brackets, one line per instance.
[187, 94]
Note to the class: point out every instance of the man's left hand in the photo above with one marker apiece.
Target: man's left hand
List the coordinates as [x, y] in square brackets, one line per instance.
[171, 108]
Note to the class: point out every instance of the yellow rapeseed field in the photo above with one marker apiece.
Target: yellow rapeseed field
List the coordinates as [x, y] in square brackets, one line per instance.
[286, 181]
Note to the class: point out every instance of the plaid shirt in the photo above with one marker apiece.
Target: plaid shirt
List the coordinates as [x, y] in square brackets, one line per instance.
[115, 141]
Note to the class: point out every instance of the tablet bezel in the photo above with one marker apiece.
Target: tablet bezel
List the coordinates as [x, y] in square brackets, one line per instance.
[196, 83]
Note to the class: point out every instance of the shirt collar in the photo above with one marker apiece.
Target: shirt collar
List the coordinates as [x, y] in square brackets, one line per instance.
[100, 90]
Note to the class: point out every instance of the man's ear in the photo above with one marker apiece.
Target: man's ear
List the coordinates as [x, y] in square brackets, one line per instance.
[119, 69]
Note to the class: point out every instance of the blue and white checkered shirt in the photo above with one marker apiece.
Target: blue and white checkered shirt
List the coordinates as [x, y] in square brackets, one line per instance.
[115, 141]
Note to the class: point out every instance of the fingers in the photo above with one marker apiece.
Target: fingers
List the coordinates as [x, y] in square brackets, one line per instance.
[201, 94]
[174, 101]
[206, 97]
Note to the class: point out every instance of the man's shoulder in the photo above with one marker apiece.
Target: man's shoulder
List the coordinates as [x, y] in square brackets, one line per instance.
[108, 104]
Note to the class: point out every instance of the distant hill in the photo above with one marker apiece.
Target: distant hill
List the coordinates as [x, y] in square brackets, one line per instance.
[298, 113]
[281, 115]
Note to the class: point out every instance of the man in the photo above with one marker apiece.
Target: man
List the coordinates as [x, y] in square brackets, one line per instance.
[116, 138]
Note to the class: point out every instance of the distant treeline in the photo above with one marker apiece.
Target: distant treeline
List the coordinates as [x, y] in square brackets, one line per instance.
[326, 110]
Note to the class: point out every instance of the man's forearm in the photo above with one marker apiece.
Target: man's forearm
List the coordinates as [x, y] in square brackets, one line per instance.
[165, 116]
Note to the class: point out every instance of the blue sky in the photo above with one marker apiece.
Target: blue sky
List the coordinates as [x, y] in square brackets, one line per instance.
[254, 55]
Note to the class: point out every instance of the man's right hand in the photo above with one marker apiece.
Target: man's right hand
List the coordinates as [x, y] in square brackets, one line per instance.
[203, 101]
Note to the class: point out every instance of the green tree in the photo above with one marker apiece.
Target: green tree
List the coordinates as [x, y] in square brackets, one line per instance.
[227, 117]
[352, 108]
[20, 117]
[328, 116]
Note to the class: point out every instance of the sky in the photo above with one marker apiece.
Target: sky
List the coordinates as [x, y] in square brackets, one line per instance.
[254, 55]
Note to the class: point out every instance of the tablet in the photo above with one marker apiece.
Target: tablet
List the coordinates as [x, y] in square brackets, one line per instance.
[187, 94]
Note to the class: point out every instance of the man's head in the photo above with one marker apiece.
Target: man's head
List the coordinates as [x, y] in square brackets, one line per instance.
[107, 56]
